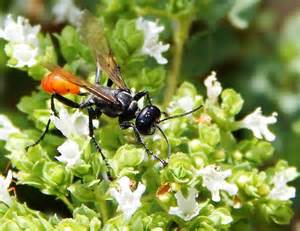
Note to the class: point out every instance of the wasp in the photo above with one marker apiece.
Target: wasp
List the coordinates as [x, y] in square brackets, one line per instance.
[118, 102]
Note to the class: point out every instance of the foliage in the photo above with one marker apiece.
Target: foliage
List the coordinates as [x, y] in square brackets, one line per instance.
[215, 179]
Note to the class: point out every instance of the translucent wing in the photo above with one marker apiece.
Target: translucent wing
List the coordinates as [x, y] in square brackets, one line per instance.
[92, 33]
[99, 91]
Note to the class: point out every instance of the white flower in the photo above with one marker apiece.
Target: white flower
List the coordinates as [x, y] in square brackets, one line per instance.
[213, 86]
[70, 153]
[188, 207]
[69, 125]
[25, 54]
[152, 46]
[65, 10]
[129, 201]
[281, 191]
[20, 31]
[4, 185]
[258, 124]
[186, 103]
[214, 181]
[23, 40]
[6, 128]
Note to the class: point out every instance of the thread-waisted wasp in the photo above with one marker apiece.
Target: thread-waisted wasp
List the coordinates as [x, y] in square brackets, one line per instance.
[117, 102]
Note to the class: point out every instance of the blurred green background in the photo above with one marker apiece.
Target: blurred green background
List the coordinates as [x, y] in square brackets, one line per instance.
[262, 62]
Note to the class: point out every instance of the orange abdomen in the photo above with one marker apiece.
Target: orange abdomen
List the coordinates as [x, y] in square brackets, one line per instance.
[53, 83]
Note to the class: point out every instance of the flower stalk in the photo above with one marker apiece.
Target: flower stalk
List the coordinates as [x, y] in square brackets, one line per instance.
[181, 27]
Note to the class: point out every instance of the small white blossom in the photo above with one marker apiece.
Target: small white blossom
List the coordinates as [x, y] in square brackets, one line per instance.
[185, 102]
[152, 46]
[65, 10]
[70, 153]
[6, 128]
[188, 208]
[281, 191]
[4, 186]
[25, 54]
[69, 125]
[214, 181]
[19, 31]
[23, 40]
[258, 124]
[213, 87]
[129, 201]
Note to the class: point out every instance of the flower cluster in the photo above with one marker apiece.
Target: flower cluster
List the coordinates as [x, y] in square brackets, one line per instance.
[65, 10]
[213, 179]
[152, 46]
[23, 46]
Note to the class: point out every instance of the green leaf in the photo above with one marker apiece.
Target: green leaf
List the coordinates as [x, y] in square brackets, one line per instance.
[242, 12]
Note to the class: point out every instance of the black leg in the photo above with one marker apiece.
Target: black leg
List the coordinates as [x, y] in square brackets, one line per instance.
[91, 134]
[109, 83]
[66, 101]
[63, 100]
[125, 125]
[141, 94]
[47, 125]
[98, 75]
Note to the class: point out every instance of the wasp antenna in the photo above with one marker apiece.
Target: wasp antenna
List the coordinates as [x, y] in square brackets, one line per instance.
[166, 139]
[181, 115]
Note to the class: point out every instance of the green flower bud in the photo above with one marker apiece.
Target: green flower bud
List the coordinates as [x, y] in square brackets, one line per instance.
[238, 156]
[55, 174]
[221, 217]
[277, 211]
[81, 169]
[179, 168]
[82, 192]
[20, 217]
[195, 146]
[70, 224]
[157, 221]
[255, 150]
[8, 225]
[263, 190]
[128, 156]
[252, 183]
[232, 102]
[209, 134]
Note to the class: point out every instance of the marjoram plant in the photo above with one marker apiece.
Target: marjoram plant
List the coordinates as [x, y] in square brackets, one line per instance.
[213, 181]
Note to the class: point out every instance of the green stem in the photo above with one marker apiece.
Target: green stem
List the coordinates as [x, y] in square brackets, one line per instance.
[67, 203]
[180, 35]
[151, 11]
[103, 208]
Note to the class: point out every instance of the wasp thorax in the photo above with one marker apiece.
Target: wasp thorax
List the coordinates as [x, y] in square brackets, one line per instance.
[146, 119]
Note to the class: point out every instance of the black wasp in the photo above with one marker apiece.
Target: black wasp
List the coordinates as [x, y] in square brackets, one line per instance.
[114, 102]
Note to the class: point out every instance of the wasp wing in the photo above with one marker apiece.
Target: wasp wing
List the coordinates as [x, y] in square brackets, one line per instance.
[99, 91]
[92, 34]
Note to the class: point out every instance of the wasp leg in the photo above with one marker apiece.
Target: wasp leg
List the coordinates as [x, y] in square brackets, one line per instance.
[47, 125]
[63, 100]
[125, 125]
[98, 75]
[142, 94]
[92, 115]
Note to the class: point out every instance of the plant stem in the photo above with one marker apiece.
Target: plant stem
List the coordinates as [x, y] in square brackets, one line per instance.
[151, 11]
[181, 30]
[67, 203]
[103, 208]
